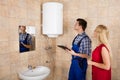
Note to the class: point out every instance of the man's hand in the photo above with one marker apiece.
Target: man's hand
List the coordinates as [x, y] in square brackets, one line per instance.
[22, 43]
[71, 52]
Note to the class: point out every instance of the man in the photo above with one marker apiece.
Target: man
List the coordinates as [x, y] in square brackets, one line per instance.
[81, 49]
[25, 39]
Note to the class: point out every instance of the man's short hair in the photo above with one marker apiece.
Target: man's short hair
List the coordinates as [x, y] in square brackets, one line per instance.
[82, 23]
[22, 26]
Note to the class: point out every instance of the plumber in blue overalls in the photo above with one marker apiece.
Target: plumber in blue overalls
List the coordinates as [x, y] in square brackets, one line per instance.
[81, 49]
[25, 39]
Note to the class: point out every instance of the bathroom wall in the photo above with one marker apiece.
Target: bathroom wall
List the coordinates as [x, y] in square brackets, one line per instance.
[96, 12]
[12, 14]
[28, 12]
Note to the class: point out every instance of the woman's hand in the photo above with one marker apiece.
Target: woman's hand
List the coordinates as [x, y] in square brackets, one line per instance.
[89, 62]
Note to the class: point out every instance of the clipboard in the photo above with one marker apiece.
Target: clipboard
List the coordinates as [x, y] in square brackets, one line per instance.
[64, 47]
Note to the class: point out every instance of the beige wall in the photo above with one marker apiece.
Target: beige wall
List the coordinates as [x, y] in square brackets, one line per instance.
[12, 14]
[28, 12]
[96, 12]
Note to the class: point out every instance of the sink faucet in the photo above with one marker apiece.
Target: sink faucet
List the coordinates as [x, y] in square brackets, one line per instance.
[30, 67]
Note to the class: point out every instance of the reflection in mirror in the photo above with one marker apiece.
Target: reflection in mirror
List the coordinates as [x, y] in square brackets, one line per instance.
[26, 38]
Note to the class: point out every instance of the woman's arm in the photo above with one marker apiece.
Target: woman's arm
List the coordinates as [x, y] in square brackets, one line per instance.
[106, 60]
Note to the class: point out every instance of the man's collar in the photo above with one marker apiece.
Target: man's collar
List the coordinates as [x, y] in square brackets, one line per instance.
[81, 33]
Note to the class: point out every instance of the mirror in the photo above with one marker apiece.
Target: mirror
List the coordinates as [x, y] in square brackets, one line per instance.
[26, 38]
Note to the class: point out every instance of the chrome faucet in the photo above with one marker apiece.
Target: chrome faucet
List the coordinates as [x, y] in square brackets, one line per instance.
[30, 67]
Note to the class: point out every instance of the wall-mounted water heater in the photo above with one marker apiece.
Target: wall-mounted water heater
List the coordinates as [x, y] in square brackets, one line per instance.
[52, 19]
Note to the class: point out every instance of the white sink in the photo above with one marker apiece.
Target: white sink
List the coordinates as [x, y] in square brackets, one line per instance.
[39, 73]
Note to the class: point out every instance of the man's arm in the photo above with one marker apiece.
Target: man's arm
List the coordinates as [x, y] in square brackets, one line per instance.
[83, 55]
[26, 45]
[85, 50]
[29, 42]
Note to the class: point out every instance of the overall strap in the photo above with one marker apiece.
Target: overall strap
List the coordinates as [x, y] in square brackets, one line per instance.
[78, 44]
[74, 39]
[26, 37]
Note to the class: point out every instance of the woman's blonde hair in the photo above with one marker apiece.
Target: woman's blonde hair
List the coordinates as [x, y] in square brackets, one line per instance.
[102, 36]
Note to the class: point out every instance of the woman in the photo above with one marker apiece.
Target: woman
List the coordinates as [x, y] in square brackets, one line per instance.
[101, 56]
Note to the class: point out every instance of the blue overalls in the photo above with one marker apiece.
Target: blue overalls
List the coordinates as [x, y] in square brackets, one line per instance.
[78, 65]
[23, 48]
